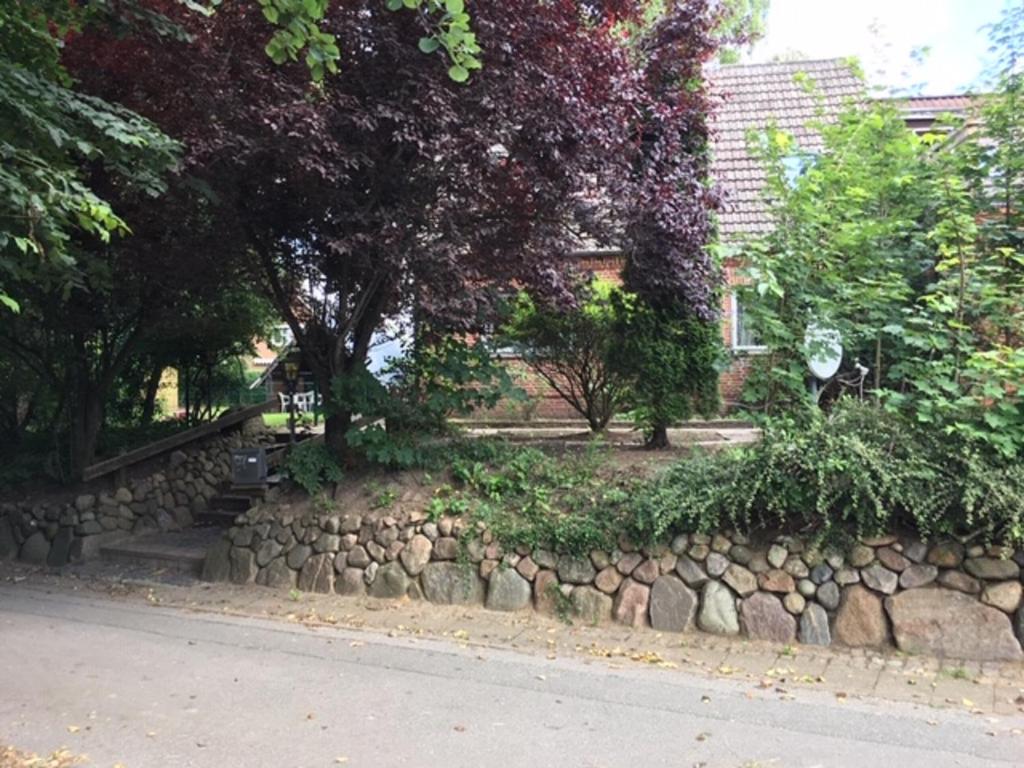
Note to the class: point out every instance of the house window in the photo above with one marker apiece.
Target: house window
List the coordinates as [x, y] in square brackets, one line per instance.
[744, 336]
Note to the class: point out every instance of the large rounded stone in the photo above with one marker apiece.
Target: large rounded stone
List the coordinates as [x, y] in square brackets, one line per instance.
[575, 570]
[776, 580]
[608, 580]
[60, 548]
[298, 555]
[673, 605]
[278, 575]
[35, 549]
[416, 554]
[716, 564]
[828, 595]
[267, 551]
[350, 582]
[777, 555]
[892, 559]
[861, 620]
[690, 571]
[8, 546]
[243, 565]
[821, 573]
[814, 626]
[764, 617]
[960, 581]
[944, 623]
[446, 548]
[317, 574]
[880, 579]
[991, 568]
[718, 610]
[861, 555]
[647, 571]
[630, 606]
[918, 575]
[795, 603]
[741, 580]
[391, 581]
[507, 590]
[590, 605]
[452, 584]
[545, 592]
[217, 565]
[947, 554]
[1004, 595]
[358, 557]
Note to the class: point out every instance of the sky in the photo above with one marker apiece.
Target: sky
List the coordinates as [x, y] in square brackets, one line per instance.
[883, 35]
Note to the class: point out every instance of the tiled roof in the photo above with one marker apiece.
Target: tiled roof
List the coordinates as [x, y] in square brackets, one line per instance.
[752, 97]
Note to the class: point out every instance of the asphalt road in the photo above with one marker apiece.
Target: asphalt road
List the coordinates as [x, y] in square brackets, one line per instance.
[150, 687]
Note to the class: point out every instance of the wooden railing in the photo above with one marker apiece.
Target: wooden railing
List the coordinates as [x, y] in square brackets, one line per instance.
[168, 444]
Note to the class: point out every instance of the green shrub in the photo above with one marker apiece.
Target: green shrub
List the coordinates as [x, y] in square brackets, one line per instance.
[670, 362]
[310, 464]
[857, 471]
[570, 349]
[438, 380]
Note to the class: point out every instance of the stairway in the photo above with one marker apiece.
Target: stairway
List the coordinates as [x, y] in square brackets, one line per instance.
[183, 552]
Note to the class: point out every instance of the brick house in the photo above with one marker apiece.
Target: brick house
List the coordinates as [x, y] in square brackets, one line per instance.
[749, 98]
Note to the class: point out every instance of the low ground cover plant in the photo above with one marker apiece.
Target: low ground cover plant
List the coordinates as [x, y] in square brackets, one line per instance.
[855, 471]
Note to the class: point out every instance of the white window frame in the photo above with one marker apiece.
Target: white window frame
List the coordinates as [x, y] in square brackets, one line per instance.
[734, 315]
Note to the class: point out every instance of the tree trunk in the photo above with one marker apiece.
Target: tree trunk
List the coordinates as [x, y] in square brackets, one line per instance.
[86, 421]
[152, 389]
[335, 427]
[659, 437]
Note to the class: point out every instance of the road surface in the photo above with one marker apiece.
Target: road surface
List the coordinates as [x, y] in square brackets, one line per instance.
[152, 687]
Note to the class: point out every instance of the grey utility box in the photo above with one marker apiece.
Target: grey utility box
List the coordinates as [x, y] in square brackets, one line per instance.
[248, 466]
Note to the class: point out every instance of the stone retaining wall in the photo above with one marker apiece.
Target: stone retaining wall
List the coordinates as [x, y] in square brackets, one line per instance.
[55, 532]
[941, 598]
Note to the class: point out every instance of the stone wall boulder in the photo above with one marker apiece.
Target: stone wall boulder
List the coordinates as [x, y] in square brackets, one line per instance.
[947, 623]
[861, 619]
[590, 605]
[449, 583]
[718, 610]
[507, 590]
[763, 617]
[630, 606]
[673, 605]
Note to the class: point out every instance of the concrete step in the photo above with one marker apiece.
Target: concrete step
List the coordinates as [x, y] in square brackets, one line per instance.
[235, 501]
[182, 551]
[215, 518]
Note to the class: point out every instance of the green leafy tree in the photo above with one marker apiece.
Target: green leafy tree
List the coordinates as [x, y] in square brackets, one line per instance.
[911, 247]
[670, 360]
[571, 348]
[52, 137]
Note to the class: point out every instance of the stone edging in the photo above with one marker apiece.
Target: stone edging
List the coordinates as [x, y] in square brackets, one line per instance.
[944, 599]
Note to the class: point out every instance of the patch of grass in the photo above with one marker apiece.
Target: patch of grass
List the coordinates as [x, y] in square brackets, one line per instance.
[382, 497]
[276, 420]
[956, 673]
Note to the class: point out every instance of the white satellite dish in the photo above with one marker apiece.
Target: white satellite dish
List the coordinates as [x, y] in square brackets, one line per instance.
[824, 347]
